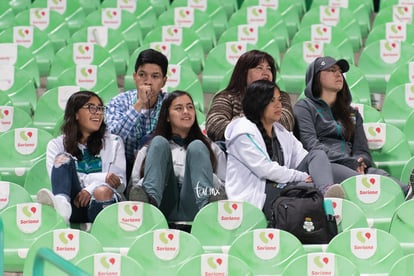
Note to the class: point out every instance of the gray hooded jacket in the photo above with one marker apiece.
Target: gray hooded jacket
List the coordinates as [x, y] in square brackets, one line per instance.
[317, 128]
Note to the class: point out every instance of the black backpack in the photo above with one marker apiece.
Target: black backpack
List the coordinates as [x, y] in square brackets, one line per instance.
[300, 211]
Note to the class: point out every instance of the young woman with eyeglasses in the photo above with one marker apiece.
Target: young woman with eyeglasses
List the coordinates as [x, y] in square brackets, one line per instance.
[86, 163]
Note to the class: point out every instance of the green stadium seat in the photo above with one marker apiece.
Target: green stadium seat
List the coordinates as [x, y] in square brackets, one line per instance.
[369, 113]
[393, 12]
[403, 267]
[124, 222]
[403, 73]
[24, 223]
[37, 178]
[391, 31]
[402, 226]
[266, 251]
[377, 195]
[12, 194]
[398, 102]
[373, 251]
[408, 130]
[218, 224]
[348, 214]
[13, 117]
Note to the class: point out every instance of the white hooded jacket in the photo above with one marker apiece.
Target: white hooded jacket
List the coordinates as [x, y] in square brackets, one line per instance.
[249, 164]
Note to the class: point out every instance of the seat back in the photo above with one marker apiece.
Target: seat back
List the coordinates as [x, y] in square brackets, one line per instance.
[403, 73]
[24, 223]
[335, 16]
[121, 20]
[393, 12]
[13, 117]
[167, 250]
[369, 113]
[266, 251]
[321, 263]
[219, 223]
[391, 31]
[124, 221]
[215, 264]
[388, 146]
[111, 40]
[101, 263]
[19, 86]
[398, 102]
[267, 18]
[12, 194]
[402, 225]
[403, 267]
[184, 37]
[194, 19]
[377, 195]
[408, 130]
[373, 251]
[51, 107]
[71, 244]
[20, 57]
[20, 148]
[37, 178]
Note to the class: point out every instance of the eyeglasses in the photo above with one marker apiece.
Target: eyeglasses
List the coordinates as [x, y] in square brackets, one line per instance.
[94, 108]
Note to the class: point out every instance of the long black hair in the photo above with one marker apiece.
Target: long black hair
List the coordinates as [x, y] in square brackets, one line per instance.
[163, 127]
[71, 130]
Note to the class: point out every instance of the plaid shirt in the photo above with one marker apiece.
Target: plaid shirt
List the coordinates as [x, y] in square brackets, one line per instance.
[123, 120]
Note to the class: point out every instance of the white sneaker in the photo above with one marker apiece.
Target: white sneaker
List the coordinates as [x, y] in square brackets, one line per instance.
[59, 202]
[336, 191]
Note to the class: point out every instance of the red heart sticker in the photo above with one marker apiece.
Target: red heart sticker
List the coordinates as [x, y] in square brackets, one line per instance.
[234, 206]
[219, 261]
[372, 180]
[135, 208]
[270, 236]
[70, 236]
[325, 260]
[33, 209]
[171, 237]
[90, 71]
[112, 261]
[30, 134]
[368, 235]
[6, 112]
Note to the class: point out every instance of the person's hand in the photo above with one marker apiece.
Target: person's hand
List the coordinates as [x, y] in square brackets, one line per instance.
[144, 97]
[362, 166]
[82, 199]
[308, 179]
[113, 180]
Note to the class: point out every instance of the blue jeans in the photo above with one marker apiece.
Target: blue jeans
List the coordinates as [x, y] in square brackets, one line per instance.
[178, 201]
[65, 182]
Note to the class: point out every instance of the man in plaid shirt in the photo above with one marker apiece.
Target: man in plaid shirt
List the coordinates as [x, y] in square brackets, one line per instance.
[133, 114]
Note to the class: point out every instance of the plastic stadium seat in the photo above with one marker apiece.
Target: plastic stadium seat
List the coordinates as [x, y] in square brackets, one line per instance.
[143, 10]
[340, 17]
[378, 59]
[103, 263]
[333, 35]
[109, 39]
[321, 263]
[24, 223]
[35, 40]
[290, 10]
[395, 12]
[219, 223]
[362, 11]
[71, 244]
[398, 102]
[124, 222]
[48, 21]
[20, 57]
[391, 31]
[72, 11]
[403, 73]
[378, 196]
[12, 194]
[403, 267]
[220, 61]
[373, 251]
[408, 130]
[80, 53]
[174, 53]
[407, 170]
[388, 146]
[5, 100]
[51, 107]
[13, 117]
[20, 148]
[358, 84]
[296, 60]
[18, 85]
[166, 250]
[215, 264]
[402, 226]
[266, 251]
[181, 36]
[190, 18]
[266, 18]
[214, 10]
[6, 15]
[261, 38]
[369, 113]
[19, 5]
[121, 20]
[348, 214]
[37, 178]
[90, 77]
[183, 78]
[89, 6]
